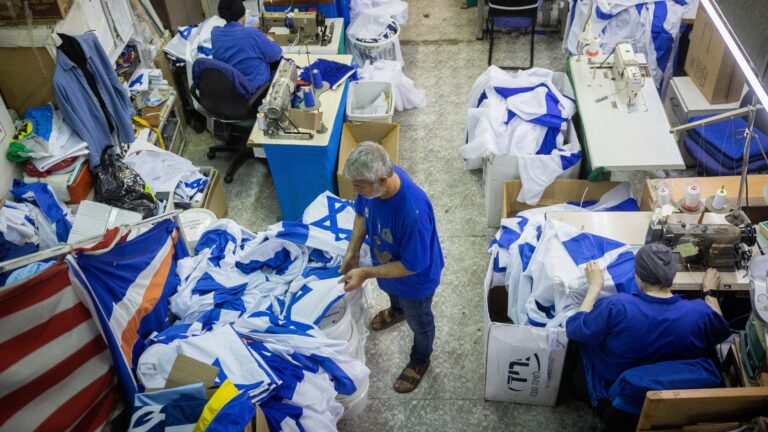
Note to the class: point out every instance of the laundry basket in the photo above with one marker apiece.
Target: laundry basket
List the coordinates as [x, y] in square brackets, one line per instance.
[364, 93]
[384, 46]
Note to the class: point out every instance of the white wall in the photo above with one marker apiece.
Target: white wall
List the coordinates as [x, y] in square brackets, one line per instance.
[8, 169]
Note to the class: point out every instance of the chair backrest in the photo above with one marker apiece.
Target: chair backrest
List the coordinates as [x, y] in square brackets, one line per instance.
[521, 8]
[222, 90]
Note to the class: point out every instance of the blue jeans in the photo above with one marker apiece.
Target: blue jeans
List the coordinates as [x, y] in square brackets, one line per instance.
[418, 314]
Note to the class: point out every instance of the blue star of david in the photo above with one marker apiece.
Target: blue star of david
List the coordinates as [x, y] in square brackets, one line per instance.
[330, 223]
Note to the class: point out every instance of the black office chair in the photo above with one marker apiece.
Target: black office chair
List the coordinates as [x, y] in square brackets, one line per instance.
[511, 14]
[219, 89]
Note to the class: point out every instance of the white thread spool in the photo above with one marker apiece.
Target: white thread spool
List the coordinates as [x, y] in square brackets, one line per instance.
[692, 198]
[663, 196]
[261, 122]
[718, 202]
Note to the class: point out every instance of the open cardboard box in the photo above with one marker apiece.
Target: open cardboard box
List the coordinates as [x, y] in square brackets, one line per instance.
[386, 134]
[186, 370]
[559, 192]
[215, 198]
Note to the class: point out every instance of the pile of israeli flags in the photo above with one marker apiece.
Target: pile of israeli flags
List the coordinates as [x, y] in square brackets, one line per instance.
[651, 26]
[523, 114]
[542, 262]
[250, 304]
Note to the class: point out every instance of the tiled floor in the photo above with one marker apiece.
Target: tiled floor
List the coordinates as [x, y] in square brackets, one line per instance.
[441, 56]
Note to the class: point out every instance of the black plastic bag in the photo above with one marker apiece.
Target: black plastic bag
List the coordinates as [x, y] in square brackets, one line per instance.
[118, 185]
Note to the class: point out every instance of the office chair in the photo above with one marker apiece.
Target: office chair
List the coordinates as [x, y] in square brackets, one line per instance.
[221, 90]
[511, 14]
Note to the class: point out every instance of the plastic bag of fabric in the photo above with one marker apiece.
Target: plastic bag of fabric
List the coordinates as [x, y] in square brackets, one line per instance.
[118, 185]
[406, 95]
[397, 8]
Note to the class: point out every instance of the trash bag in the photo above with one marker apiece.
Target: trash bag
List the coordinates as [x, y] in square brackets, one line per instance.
[118, 185]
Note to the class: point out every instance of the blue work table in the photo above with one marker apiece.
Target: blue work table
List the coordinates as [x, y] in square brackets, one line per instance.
[303, 169]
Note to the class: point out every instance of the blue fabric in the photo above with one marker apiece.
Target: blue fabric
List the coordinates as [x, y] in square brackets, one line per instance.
[78, 105]
[332, 72]
[28, 271]
[628, 392]
[715, 167]
[10, 251]
[243, 86]
[41, 196]
[235, 415]
[629, 204]
[663, 41]
[725, 141]
[174, 407]
[246, 49]
[402, 228]
[41, 119]
[418, 314]
[625, 331]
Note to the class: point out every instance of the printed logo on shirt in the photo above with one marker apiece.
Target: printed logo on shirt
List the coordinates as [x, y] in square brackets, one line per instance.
[525, 374]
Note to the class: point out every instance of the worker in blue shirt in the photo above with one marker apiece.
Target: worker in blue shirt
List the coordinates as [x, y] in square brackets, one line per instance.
[624, 331]
[246, 49]
[397, 217]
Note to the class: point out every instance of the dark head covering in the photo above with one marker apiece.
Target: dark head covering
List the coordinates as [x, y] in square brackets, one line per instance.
[231, 10]
[655, 264]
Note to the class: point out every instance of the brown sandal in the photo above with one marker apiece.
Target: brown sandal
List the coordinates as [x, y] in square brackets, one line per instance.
[386, 319]
[410, 376]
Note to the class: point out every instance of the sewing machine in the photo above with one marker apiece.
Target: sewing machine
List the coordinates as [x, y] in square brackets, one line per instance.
[623, 118]
[277, 102]
[722, 246]
[297, 28]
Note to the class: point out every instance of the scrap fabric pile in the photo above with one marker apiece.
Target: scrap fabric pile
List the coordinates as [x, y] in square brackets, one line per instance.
[46, 144]
[542, 262]
[524, 115]
[35, 220]
[167, 172]
[247, 303]
[651, 26]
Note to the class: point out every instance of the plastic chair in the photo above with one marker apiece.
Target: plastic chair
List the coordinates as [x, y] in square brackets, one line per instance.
[220, 89]
[511, 14]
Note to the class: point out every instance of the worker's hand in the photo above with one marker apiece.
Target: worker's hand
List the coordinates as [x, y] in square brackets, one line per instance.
[711, 280]
[354, 278]
[595, 276]
[351, 261]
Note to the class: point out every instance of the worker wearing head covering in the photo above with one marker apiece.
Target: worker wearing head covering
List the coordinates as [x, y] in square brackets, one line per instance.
[246, 49]
[625, 332]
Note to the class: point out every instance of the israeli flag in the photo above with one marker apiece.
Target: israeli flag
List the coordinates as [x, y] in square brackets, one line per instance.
[557, 270]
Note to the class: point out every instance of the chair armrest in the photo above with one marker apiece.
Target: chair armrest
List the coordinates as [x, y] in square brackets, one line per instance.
[259, 93]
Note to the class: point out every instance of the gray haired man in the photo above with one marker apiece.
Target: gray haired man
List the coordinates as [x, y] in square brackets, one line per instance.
[397, 217]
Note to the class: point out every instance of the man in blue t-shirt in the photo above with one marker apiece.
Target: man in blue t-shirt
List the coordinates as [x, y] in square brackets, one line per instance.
[246, 49]
[396, 216]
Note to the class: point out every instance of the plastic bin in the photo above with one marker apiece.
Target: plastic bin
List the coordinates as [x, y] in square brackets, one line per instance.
[385, 46]
[364, 93]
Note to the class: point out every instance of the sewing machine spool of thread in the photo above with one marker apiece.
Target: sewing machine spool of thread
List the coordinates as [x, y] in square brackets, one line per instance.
[309, 97]
[692, 200]
[317, 79]
[719, 201]
[663, 197]
[261, 122]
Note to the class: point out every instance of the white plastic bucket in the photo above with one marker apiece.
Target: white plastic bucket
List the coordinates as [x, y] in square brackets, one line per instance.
[364, 93]
[381, 47]
[357, 343]
[193, 223]
[355, 404]
[337, 323]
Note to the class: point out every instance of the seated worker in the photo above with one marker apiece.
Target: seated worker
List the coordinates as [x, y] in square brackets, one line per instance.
[625, 331]
[246, 49]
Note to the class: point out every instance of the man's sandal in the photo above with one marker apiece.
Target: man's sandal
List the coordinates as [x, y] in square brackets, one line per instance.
[386, 319]
[410, 378]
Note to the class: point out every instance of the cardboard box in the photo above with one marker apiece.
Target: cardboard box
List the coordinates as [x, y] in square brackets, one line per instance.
[524, 364]
[310, 120]
[708, 186]
[215, 198]
[559, 192]
[42, 10]
[178, 13]
[22, 82]
[711, 65]
[386, 134]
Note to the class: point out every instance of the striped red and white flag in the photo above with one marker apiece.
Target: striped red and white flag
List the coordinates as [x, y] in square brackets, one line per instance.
[56, 372]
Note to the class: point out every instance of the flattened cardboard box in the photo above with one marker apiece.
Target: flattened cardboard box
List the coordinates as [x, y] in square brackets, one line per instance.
[41, 10]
